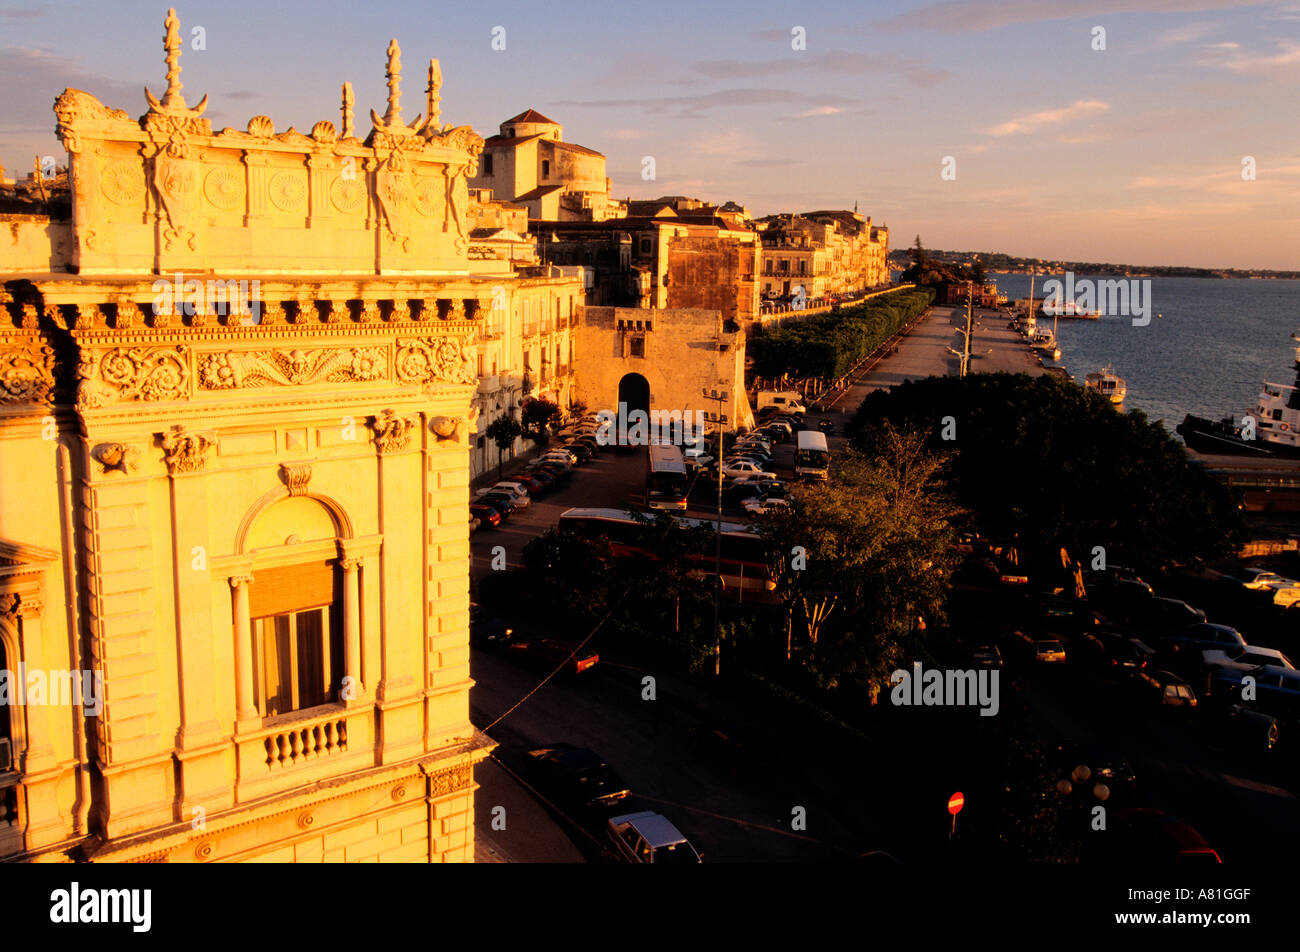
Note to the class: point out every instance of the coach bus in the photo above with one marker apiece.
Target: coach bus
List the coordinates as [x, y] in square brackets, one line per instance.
[745, 569]
[665, 482]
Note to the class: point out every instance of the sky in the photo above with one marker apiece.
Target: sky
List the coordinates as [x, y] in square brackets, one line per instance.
[987, 125]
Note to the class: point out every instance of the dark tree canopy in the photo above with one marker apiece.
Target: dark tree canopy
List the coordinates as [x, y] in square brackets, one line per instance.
[1045, 463]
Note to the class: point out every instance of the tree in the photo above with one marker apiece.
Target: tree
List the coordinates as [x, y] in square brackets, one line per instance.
[537, 415]
[977, 272]
[503, 431]
[918, 253]
[1046, 464]
[876, 543]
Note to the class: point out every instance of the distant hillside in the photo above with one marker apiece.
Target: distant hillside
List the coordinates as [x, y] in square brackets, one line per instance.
[1013, 264]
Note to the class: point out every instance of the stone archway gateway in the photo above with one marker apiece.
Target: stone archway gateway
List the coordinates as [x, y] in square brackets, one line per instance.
[634, 393]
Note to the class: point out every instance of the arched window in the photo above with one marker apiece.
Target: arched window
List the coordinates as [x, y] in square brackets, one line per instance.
[296, 616]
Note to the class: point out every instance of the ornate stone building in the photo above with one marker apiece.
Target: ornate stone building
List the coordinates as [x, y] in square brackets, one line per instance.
[236, 411]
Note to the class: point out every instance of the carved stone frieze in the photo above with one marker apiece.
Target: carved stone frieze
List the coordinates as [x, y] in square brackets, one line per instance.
[446, 782]
[133, 373]
[449, 359]
[392, 432]
[184, 451]
[229, 370]
[27, 373]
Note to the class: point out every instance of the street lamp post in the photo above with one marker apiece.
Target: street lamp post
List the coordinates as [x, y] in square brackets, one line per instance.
[720, 419]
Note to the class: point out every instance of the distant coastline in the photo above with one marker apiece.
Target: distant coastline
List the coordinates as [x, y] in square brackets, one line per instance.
[1011, 264]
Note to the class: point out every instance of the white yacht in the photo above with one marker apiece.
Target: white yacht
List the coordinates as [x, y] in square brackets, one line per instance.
[1107, 383]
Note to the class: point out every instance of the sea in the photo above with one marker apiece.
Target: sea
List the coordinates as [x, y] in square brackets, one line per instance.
[1210, 345]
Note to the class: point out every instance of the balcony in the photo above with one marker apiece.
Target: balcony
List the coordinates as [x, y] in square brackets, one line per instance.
[303, 747]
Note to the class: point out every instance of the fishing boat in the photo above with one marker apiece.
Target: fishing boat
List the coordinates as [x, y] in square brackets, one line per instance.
[1071, 310]
[1044, 341]
[1272, 428]
[1107, 383]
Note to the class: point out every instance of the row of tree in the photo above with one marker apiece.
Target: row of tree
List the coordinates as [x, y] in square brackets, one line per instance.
[828, 345]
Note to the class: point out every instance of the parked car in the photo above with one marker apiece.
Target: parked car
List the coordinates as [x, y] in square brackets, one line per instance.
[1165, 688]
[1196, 638]
[583, 453]
[647, 837]
[1277, 692]
[488, 631]
[488, 516]
[1245, 659]
[826, 426]
[1255, 579]
[562, 453]
[986, 656]
[1248, 730]
[1049, 651]
[550, 653]
[1163, 615]
[517, 491]
[762, 506]
[1142, 834]
[577, 778]
[744, 468]
[503, 502]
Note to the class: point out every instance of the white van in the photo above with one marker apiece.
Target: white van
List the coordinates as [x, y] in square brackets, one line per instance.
[788, 401]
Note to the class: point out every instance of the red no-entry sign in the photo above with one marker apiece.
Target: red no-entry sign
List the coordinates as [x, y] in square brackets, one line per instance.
[955, 803]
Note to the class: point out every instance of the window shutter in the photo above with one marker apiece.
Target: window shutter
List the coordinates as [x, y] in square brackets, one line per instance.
[292, 588]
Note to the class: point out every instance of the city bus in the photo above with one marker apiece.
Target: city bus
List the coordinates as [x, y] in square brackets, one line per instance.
[746, 571]
[665, 482]
[811, 458]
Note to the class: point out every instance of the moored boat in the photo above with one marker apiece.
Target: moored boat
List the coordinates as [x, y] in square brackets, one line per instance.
[1107, 383]
[1271, 428]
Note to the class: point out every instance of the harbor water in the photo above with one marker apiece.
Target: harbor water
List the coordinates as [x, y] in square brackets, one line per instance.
[1213, 345]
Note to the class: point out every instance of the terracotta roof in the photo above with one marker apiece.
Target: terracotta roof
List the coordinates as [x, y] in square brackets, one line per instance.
[531, 115]
[538, 192]
[508, 140]
[574, 147]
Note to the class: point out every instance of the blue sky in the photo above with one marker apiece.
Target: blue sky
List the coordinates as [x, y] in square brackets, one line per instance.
[1133, 153]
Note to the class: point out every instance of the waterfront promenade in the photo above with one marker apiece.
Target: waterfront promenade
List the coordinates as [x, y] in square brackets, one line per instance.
[924, 353]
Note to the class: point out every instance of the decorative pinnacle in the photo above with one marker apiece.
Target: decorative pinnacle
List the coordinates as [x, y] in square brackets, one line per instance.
[172, 44]
[347, 111]
[394, 114]
[431, 94]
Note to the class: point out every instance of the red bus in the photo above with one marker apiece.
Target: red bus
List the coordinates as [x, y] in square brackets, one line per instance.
[745, 569]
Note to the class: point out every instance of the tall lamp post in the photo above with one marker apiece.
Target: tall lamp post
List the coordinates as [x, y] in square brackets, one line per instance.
[720, 419]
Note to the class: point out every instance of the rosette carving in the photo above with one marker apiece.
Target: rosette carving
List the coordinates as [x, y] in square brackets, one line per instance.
[27, 374]
[288, 191]
[224, 188]
[135, 373]
[122, 182]
[448, 359]
[348, 194]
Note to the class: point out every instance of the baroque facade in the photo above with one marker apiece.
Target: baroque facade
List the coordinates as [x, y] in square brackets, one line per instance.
[237, 405]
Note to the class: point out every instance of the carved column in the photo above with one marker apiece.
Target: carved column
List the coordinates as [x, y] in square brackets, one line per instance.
[352, 625]
[245, 708]
[321, 169]
[39, 754]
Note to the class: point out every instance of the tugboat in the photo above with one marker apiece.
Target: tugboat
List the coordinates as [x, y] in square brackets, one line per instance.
[1271, 429]
[1107, 383]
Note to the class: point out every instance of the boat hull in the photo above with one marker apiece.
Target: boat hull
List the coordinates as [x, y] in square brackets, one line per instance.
[1207, 436]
